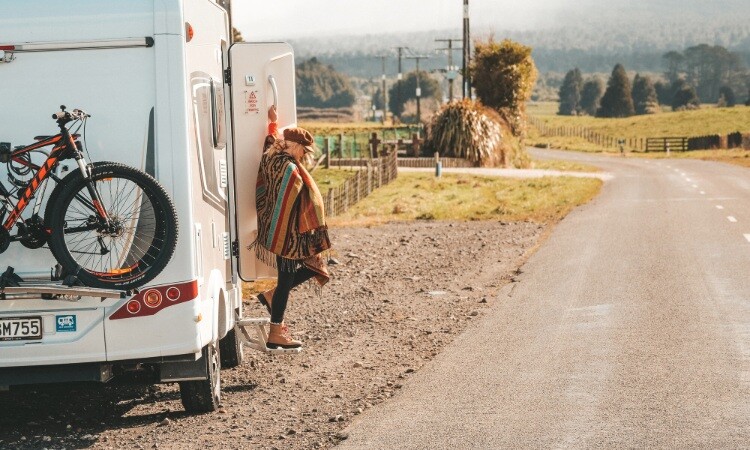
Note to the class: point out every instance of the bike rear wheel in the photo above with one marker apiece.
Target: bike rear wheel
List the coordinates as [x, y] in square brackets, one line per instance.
[127, 251]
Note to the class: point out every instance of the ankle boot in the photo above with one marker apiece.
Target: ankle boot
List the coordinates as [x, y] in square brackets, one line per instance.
[279, 337]
[265, 301]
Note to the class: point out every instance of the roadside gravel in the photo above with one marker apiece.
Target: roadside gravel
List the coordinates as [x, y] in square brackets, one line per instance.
[400, 293]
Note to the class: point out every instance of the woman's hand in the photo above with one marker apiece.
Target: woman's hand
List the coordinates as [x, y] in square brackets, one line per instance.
[272, 115]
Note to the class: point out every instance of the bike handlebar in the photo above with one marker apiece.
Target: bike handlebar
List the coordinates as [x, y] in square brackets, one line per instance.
[67, 116]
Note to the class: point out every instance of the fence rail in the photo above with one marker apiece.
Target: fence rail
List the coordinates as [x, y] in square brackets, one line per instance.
[375, 173]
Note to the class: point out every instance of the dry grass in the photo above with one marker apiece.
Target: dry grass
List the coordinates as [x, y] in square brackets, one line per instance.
[419, 196]
[565, 166]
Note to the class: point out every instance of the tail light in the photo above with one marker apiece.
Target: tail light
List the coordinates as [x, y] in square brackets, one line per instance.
[152, 299]
[149, 301]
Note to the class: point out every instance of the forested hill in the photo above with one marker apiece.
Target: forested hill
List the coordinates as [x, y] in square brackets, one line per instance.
[594, 43]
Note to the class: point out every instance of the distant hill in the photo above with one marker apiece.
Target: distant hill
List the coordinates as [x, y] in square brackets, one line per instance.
[593, 38]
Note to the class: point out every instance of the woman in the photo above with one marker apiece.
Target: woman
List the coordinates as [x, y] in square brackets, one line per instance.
[292, 233]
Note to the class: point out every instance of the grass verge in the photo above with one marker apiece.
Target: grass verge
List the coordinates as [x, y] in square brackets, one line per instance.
[419, 196]
[327, 179]
[564, 166]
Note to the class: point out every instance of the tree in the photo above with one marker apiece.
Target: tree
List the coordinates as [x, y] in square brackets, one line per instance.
[674, 62]
[503, 74]
[685, 96]
[727, 93]
[404, 90]
[664, 92]
[618, 98]
[708, 68]
[320, 86]
[591, 95]
[645, 99]
[570, 94]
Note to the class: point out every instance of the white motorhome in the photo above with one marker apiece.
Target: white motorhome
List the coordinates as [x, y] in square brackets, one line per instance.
[171, 95]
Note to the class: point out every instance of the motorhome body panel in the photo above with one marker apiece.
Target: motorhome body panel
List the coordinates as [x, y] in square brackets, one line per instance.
[142, 107]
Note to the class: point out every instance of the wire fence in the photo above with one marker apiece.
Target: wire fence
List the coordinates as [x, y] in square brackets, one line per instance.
[374, 173]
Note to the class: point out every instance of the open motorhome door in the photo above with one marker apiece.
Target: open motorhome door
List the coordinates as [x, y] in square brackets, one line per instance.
[262, 75]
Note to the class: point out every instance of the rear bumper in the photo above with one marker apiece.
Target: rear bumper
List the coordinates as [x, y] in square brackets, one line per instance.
[170, 368]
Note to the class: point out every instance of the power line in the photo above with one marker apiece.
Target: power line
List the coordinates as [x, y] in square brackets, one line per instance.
[450, 72]
[467, 51]
[417, 58]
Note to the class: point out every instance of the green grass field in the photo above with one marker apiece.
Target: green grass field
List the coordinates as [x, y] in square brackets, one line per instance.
[704, 121]
[420, 196]
[330, 178]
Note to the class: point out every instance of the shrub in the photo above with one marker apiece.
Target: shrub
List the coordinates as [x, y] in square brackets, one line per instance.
[466, 129]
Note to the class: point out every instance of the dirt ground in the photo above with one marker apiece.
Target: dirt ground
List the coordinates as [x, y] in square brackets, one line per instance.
[400, 293]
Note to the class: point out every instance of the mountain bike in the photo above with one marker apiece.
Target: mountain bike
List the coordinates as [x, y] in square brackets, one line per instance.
[107, 224]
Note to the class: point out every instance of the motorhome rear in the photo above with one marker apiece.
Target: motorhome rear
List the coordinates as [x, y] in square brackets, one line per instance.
[156, 77]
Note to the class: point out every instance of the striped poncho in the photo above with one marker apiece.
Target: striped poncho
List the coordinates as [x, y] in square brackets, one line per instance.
[291, 219]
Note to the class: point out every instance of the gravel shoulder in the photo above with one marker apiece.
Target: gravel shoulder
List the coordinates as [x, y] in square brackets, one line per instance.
[401, 293]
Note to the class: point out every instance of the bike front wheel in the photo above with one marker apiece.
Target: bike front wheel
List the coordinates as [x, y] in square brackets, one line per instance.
[124, 240]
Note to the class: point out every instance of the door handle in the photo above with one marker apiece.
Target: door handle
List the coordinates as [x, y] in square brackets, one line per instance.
[275, 91]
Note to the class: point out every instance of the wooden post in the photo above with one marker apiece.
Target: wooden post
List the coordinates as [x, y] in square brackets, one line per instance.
[327, 152]
[331, 206]
[341, 146]
[374, 144]
[415, 141]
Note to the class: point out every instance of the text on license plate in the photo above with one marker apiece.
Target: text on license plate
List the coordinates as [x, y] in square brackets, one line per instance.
[20, 328]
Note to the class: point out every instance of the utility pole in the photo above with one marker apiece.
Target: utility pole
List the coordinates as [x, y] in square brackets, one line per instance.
[467, 51]
[400, 75]
[451, 71]
[419, 88]
[385, 93]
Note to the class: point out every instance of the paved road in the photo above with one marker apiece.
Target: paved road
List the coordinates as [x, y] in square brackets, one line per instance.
[629, 328]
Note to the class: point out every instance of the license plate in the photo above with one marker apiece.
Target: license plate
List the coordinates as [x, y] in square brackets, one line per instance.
[20, 328]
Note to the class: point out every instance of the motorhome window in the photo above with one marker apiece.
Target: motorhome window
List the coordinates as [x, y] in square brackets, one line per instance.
[203, 120]
[219, 119]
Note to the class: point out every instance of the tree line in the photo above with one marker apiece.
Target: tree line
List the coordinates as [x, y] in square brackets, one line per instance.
[703, 73]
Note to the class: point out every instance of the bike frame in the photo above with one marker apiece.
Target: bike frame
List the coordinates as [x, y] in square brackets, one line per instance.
[64, 144]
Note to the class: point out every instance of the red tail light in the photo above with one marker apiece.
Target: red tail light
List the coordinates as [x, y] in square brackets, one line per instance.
[149, 301]
[7, 48]
[133, 307]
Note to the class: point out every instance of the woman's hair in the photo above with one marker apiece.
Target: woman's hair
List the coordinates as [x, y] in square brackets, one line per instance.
[280, 145]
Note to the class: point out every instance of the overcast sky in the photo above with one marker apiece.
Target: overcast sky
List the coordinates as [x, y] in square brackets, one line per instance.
[281, 19]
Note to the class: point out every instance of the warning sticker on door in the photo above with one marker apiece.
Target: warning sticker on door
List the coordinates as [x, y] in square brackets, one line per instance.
[251, 102]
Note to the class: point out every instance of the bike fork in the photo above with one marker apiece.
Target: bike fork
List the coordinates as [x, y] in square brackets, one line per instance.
[96, 200]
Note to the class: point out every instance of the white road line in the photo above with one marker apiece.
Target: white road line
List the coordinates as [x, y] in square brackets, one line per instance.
[747, 236]
[669, 167]
[719, 207]
[703, 192]
[731, 219]
[688, 180]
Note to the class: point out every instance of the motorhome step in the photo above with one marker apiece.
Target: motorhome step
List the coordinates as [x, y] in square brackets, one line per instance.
[258, 341]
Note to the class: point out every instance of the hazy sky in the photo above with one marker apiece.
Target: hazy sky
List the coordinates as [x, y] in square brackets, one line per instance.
[295, 18]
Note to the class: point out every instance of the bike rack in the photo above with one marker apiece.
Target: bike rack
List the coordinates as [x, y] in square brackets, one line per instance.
[14, 287]
[245, 328]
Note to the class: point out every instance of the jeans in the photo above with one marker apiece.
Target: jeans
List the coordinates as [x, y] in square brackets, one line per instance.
[287, 281]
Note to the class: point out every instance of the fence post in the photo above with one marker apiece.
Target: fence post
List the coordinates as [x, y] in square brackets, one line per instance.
[327, 152]
[331, 205]
[415, 141]
[341, 146]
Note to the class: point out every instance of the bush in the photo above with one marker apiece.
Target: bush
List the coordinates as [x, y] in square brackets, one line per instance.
[685, 96]
[504, 74]
[466, 129]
